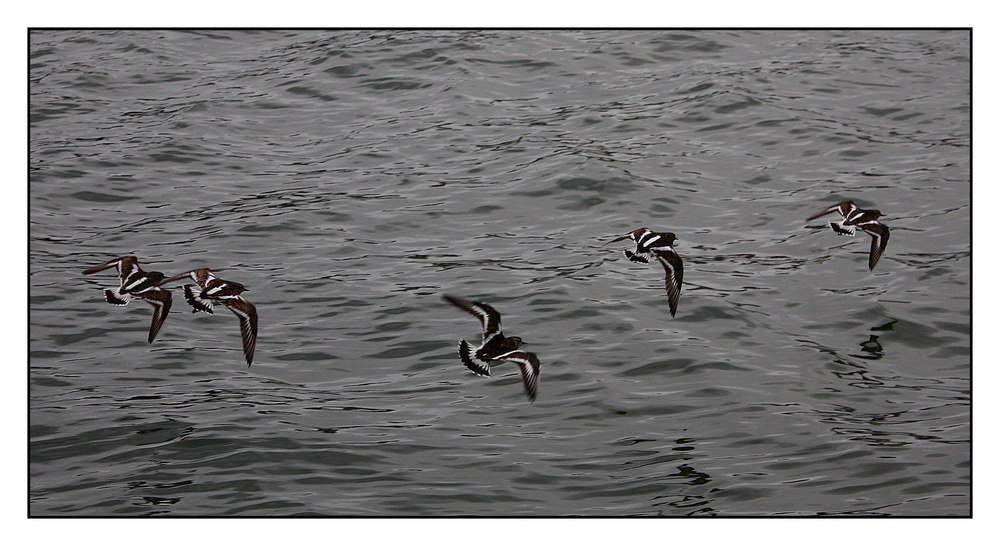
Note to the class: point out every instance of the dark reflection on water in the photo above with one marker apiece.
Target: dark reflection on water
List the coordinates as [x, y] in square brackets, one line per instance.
[349, 178]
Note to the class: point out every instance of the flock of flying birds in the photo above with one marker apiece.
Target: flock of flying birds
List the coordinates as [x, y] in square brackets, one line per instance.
[495, 348]
[148, 287]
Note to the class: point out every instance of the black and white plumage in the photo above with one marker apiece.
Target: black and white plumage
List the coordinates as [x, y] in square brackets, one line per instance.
[866, 220]
[674, 276]
[645, 241]
[495, 346]
[660, 245]
[140, 284]
[529, 366]
[210, 290]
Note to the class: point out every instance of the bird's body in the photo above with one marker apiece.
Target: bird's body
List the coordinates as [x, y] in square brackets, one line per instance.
[660, 245]
[854, 218]
[209, 290]
[136, 283]
[495, 346]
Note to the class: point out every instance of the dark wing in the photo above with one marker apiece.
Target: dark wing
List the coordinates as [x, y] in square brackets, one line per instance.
[477, 366]
[188, 274]
[201, 280]
[247, 313]
[488, 316]
[161, 300]
[125, 265]
[204, 278]
[835, 208]
[102, 267]
[622, 238]
[674, 269]
[530, 366]
[880, 238]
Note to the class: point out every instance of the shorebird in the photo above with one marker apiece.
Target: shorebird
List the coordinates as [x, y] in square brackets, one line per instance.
[645, 240]
[867, 220]
[495, 346]
[139, 284]
[648, 242]
[211, 290]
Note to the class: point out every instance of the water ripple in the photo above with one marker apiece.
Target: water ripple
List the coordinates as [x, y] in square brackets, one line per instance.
[349, 178]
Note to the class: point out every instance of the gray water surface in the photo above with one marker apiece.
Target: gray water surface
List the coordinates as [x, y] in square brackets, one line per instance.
[350, 178]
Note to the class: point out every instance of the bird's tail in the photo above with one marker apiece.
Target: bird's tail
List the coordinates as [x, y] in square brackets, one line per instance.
[117, 298]
[637, 258]
[196, 301]
[471, 362]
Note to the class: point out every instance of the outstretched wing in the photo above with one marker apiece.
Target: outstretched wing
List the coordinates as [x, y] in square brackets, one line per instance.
[488, 317]
[200, 276]
[530, 366]
[622, 238]
[126, 265]
[674, 269]
[247, 313]
[835, 208]
[101, 267]
[880, 238]
[161, 300]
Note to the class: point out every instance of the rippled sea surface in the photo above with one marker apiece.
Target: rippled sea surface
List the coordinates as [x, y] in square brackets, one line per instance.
[350, 178]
